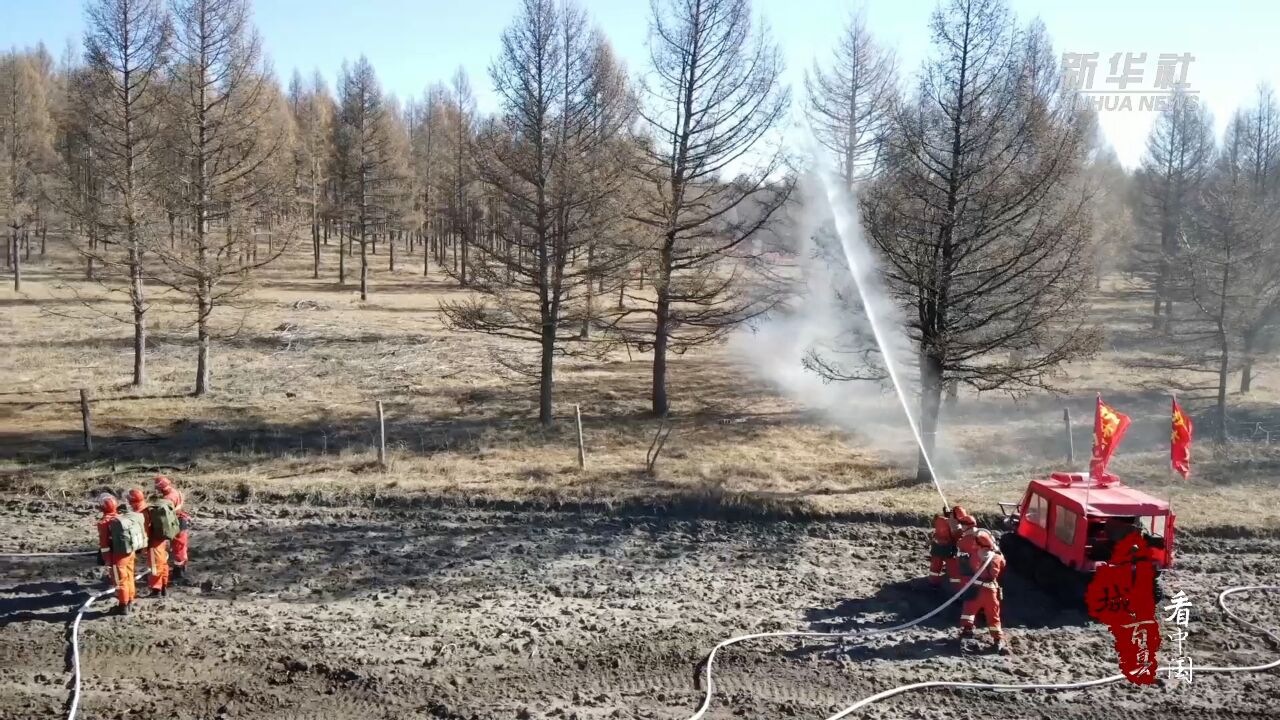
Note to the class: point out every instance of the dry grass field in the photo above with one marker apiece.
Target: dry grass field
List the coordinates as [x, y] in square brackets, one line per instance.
[484, 576]
[301, 362]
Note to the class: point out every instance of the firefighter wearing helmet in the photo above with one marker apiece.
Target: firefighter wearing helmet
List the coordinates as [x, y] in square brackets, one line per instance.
[966, 530]
[157, 546]
[120, 565]
[942, 550]
[178, 546]
[985, 595]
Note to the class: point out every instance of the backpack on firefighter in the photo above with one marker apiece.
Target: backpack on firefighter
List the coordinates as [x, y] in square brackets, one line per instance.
[128, 534]
[164, 519]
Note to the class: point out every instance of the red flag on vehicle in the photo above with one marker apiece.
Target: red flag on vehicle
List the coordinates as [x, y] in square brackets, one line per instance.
[1109, 427]
[1180, 442]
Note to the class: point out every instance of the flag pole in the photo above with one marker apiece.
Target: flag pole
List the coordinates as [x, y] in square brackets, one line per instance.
[1173, 397]
[1093, 448]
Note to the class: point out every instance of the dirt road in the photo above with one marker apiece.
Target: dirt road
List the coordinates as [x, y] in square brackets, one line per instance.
[303, 612]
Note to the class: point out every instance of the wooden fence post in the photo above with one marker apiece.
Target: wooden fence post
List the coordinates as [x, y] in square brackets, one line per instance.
[582, 453]
[382, 438]
[1071, 443]
[86, 419]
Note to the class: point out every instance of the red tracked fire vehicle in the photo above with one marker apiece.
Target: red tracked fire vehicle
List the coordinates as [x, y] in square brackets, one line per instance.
[1066, 526]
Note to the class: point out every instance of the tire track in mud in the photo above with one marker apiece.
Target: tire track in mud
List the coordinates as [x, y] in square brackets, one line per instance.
[297, 613]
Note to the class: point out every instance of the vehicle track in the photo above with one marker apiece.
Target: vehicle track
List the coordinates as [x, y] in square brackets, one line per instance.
[422, 613]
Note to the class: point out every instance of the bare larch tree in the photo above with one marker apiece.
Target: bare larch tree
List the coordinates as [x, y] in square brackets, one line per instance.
[1179, 155]
[712, 98]
[26, 150]
[366, 150]
[227, 142]
[850, 101]
[1233, 266]
[126, 48]
[1260, 130]
[983, 233]
[550, 160]
[313, 111]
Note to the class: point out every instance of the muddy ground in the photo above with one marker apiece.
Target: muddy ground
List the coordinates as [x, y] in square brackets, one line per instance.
[305, 612]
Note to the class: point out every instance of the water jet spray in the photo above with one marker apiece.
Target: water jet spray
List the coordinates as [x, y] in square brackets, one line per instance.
[861, 266]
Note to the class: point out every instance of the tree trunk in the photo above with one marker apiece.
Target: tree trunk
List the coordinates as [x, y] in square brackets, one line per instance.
[660, 404]
[315, 249]
[586, 320]
[138, 299]
[364, 269]
[930, 400]
[44, 238]
[17, 263]
[391, 250]
[546, 381]
[202, 339]
[342, 258]
[1220, 430]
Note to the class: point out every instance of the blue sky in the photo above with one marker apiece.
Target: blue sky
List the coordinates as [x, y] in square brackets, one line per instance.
[414, 42]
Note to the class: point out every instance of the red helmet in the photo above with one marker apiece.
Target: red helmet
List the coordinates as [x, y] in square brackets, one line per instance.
[137, 500]
[985, 540]
[963, 517]
[163, 483]
[108, 504]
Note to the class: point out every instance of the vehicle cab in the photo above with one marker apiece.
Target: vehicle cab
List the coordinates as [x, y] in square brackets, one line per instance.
[1078, 520]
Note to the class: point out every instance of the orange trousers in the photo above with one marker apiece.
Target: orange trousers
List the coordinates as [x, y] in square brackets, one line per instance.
[180, 548]
[943, 568]
[986, 602]
[121, 574]
[158, 560]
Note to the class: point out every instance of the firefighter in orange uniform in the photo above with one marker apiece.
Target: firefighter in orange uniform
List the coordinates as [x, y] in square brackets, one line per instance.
[967, 529]
[157, 547]
[942, 550]
[119, 569]
[165, 487]
[988, 595]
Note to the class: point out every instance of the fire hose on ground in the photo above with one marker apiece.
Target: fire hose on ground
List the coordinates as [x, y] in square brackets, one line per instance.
[996, 687]
[75, 624]
[858, 634]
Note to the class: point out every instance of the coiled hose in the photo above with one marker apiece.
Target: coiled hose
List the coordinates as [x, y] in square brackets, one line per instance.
[998, 687]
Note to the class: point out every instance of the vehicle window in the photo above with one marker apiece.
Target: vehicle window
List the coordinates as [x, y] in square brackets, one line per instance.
[1153, 524]
[1037, 510]
[1064, 525]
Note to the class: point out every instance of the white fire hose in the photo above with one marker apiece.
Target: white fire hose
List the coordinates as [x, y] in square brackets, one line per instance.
[999, 687]
[75, 642]
[75, 625]
[706, 703]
